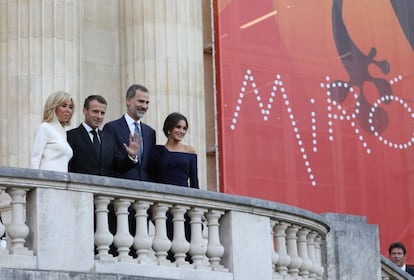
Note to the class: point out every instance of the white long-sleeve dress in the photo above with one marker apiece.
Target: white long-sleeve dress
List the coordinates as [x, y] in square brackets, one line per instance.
[51, 150]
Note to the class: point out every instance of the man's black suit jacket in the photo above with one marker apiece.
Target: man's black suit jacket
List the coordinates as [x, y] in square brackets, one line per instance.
[409, 270]
[120, 131]
[86, 160]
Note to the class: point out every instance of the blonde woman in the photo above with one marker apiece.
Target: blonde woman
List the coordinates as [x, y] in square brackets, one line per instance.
[51, 150]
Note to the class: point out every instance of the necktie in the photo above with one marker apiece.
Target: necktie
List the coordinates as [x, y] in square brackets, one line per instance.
[96, 143]
[141, 143]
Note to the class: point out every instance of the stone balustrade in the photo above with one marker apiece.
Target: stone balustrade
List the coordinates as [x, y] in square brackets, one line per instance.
[390, 271]
[58, 221]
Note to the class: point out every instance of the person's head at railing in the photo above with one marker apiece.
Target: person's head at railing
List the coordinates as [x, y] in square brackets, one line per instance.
[398, 256]
[397, 253]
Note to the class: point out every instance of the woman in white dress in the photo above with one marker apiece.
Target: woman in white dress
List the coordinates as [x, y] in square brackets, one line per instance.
[51, 150]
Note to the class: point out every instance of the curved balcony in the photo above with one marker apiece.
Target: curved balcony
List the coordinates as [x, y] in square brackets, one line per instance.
[79, 223]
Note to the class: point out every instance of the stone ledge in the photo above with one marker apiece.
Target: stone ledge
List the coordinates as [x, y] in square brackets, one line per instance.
[18, 274]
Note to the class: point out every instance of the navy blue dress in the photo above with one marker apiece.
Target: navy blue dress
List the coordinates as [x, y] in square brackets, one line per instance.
[175, 168]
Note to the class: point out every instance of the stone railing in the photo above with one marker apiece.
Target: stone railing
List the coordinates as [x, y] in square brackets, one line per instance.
[58, 221]
[390, 271]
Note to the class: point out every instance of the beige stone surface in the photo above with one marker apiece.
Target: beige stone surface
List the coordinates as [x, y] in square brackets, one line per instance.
[99, 47]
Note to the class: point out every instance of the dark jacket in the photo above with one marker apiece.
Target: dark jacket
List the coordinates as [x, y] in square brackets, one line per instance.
[120, 131]
[86, 160]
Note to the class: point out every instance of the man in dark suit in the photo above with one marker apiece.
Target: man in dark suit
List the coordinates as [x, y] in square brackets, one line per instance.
[94, 151]
[398, 256]
[137, 101]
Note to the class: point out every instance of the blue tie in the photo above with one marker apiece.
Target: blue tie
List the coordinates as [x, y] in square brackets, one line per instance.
[141, 143]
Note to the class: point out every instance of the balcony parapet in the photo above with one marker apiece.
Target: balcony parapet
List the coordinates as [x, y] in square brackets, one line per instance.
[51, 217]
[390, 271]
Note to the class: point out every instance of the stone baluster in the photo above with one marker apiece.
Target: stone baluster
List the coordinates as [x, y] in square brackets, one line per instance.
[179, 244]
[2, 228]
[284, 259]
[3, 243]
[161, 244]
[142, 241]
[312, 255]
[17, 230]
[303, 253]
[103, 238]
[197, 248]
[292, 249]
[275, 255]
[318, 256]
[214, 248]
[123, 240]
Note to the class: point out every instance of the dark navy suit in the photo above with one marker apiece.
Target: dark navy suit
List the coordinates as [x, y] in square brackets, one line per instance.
[409, 270]
[120, 131]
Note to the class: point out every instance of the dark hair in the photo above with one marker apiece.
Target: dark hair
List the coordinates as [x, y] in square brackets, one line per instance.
[397, 245]
[98, 98]
[133, 88]
[171, 121]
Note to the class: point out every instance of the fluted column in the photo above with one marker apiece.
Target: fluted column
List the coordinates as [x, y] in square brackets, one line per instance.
[162, 48]
[39, 54]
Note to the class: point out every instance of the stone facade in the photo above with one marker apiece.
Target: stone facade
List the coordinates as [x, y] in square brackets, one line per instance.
[100, 47]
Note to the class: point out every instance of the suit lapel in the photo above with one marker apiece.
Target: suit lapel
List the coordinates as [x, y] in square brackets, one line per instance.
[124, 130]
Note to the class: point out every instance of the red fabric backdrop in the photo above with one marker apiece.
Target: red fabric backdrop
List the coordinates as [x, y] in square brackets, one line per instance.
[315, 107]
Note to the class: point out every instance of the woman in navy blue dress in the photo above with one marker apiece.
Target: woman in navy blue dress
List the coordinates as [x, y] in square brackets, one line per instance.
[175, 163]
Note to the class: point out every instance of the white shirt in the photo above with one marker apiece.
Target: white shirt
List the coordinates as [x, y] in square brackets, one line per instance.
[51, 150]
[131, 123]
[89, 129]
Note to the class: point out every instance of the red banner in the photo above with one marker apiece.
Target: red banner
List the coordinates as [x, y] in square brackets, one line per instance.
[316, 107]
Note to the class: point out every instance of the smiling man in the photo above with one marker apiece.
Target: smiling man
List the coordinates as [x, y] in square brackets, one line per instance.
[397, 254]
[94, 151]
[137, 103]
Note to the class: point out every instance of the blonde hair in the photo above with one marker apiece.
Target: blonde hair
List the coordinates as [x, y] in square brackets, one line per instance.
[53, 102]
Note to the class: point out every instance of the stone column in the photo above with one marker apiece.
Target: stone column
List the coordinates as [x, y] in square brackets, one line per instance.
[96, 47]
[100, 56]
[161, 47]
[39, 54]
